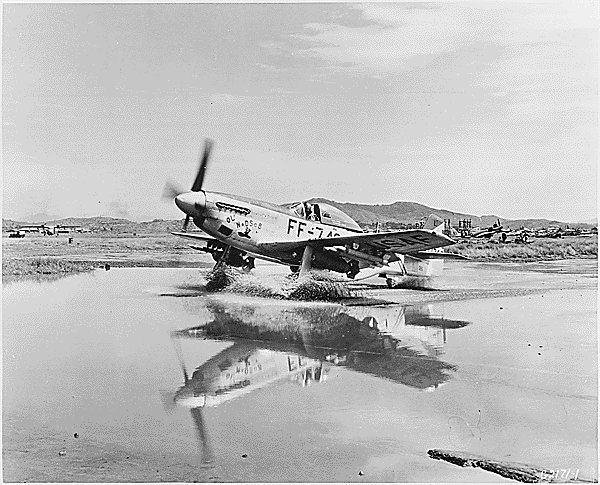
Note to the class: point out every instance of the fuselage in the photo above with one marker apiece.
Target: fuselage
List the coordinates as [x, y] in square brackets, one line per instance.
[244, 223]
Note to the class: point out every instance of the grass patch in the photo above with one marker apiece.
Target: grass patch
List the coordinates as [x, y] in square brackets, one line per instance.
[537, 250]
[42, 266]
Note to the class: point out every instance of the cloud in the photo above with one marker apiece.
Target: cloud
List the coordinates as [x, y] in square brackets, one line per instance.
[549, 70]
[391, 38]
[395, 38]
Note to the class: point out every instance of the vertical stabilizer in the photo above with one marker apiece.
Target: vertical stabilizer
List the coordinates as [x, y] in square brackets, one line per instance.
[435, 224]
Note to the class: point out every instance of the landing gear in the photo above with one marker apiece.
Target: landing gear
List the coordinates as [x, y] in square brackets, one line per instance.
[306, 261]
[249, 264]
[354, 269]
[233, 257]
[221, 258]
[395, 281]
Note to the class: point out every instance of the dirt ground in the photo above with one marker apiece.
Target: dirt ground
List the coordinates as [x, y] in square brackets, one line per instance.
[147, 250]
[167, 251]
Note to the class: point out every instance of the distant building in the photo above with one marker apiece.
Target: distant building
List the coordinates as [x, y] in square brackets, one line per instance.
[31, 228]
[52, 230]
[66, 229]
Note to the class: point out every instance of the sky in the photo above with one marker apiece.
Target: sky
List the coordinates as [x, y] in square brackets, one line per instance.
[480, 108]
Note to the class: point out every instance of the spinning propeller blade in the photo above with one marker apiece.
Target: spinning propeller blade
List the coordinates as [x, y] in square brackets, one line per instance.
[179, 353]
[171, 190]
[206, 452]
[168, 401]
[197, 186]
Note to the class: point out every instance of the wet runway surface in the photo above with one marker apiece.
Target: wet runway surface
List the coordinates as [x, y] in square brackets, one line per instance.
[139, 375]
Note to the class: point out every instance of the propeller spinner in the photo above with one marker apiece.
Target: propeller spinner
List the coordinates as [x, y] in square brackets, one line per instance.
[188, 202]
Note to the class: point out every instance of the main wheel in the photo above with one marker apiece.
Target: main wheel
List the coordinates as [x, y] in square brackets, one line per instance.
[353, 270]
[249, 264]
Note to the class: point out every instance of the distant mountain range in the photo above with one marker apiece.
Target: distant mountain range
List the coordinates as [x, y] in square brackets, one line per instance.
[389, 216]
[400, 213]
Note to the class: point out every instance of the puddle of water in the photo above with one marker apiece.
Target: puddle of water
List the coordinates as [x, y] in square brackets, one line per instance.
[247, 389]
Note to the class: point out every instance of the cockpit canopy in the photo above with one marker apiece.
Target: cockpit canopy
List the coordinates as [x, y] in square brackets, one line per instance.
[324, 213]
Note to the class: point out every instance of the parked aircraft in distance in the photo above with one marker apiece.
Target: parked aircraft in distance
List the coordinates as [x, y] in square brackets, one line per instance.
[301, 235]
[488, 232]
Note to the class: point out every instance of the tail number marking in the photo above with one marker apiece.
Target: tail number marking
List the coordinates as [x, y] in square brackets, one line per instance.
[317, 232]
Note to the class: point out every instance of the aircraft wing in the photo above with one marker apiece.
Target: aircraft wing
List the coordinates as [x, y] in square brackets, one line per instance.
[195, 236]
[215, 245]
[401, 242]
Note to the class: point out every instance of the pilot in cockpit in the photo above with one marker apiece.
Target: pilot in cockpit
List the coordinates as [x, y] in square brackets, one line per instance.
[308, 211]
[313, 212]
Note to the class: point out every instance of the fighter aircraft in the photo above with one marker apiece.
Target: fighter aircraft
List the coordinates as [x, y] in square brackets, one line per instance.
[488, 232]
[237, 229]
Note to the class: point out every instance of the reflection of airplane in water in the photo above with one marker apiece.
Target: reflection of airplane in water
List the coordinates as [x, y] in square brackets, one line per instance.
[401, 343]
[273, 344]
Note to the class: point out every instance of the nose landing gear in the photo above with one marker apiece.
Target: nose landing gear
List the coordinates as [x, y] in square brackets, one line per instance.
[233, 257]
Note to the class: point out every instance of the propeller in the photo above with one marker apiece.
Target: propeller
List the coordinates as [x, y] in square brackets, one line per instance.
[168, 397]
[168, 400]
[206, 452]
[172, 190]
[197, 186]
[186, 222]
[179, 353]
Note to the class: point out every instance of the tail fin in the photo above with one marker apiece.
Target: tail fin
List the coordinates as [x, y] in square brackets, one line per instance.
[435, 224]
